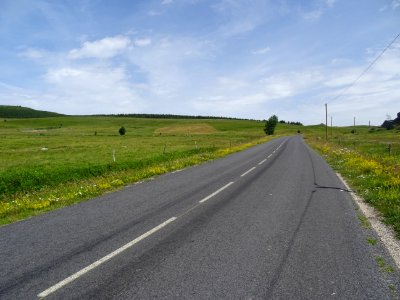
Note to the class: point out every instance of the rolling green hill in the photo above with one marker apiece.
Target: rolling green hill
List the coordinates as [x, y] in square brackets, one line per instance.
[20, 112]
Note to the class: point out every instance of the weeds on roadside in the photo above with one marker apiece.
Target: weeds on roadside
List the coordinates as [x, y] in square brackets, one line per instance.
[29, 203]
[374, 178]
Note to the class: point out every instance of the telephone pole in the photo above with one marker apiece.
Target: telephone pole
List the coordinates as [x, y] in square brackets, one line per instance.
[331, 127]
[326, 121]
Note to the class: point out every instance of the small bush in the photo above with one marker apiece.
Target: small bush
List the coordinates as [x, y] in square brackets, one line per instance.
[122, 130]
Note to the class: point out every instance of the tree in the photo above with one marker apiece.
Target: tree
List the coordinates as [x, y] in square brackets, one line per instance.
[122, 130]
[270, 125]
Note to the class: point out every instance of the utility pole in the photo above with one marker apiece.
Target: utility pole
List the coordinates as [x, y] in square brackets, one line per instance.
[326, 121]
[331, 126]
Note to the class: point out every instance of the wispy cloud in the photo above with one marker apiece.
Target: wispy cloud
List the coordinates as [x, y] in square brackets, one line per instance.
[104, 88]
[32, 53]
[316, 10]
[396, 4]
[261, 51]
[330, 3]
[104, 48]
[154, 13]
[142, 42]
[238, 17]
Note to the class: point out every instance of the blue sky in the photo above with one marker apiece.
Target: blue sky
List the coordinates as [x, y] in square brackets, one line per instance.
[237, 58]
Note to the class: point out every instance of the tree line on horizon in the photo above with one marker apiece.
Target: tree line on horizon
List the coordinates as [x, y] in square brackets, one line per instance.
[20, 112]
[391, 124]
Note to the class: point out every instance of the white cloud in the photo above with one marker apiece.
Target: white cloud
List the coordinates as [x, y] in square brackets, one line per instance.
[261, 51]
[238, 17]
[223, 105]
[33, 54]
[312, 15]
[290, 84]
[92, 89]
[395, 4]
[154, 13]
[165, 2]
[167, 61]
[142, 42]
[105, 48]
[330, 3]
[229, 83]
[319, 9]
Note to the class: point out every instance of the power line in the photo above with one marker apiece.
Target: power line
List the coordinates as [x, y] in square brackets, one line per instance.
[366, 69]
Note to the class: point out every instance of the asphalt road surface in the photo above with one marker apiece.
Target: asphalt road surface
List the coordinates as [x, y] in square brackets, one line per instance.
[271, 222]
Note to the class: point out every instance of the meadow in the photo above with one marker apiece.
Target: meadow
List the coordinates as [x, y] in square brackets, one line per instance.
[53, 162]
[369, 159]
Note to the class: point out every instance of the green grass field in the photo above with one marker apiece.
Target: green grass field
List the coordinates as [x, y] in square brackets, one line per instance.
[52, 162]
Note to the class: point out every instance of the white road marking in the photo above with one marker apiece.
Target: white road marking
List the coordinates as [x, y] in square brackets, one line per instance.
[104, 259]
[247, 172]
[216, 192]
[85, 270]
[261, 162]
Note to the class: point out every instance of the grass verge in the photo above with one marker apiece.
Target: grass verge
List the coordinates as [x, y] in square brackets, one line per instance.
[374, 177]
[26, 204]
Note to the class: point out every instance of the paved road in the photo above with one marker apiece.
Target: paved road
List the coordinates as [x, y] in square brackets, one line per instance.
[268, 223]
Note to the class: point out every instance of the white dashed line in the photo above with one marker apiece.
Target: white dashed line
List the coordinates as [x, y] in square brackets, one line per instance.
[247, 172]
[261, 162]
[216, 192]
[103, 260]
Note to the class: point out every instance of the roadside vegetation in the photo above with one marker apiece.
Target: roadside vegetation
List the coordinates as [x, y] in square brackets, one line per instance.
[53, 162]
[47, 163]
[369, 159]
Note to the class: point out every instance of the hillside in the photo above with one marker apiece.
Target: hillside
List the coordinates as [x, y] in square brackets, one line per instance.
[20, 112]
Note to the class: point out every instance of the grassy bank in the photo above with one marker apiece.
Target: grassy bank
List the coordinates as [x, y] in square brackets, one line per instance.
[368, 163]
[54, 162]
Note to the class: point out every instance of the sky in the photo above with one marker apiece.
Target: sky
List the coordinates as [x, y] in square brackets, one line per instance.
[232, 58]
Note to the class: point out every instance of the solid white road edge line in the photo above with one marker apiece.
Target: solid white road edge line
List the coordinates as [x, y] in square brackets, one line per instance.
[216, 192]
[85, 270]
[247, 172]
[261, 162]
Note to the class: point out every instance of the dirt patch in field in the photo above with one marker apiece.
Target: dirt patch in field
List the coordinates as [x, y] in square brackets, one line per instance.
[187, 129]
[35, 130]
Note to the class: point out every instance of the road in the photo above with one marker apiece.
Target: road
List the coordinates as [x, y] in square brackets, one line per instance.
[271, 222]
